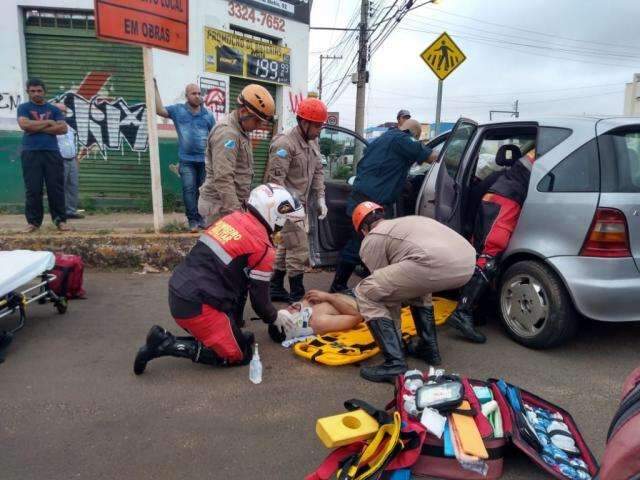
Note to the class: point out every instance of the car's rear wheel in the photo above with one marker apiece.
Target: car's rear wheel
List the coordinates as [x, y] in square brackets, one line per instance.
[535, 308]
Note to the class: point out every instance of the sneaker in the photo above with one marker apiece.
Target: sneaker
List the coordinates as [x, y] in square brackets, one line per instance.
[62, 227]
[202, 224]
[31, 228]
[193, 226]
[75, 216]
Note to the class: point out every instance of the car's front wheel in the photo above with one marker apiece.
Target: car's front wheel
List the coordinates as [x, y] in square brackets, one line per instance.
[535, 308]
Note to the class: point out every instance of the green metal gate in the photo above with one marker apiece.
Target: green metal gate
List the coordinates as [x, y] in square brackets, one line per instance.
[102, 85]
[260, 139]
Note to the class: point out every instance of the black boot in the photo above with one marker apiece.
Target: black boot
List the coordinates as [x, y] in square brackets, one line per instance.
[342, 276]
[297, 287]
[388, 339]
[425, 346]
[276, 289]
[462, 317]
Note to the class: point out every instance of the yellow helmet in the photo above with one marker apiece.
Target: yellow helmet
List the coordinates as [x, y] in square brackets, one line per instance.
[259, 101]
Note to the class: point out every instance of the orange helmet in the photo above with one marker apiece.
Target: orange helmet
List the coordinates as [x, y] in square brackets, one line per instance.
[312, 110]
[362, 211]
[259, 101]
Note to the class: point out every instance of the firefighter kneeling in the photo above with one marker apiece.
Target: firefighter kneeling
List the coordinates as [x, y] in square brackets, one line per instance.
[208, 289]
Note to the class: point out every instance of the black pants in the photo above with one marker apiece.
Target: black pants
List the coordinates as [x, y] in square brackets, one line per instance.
[43, 167]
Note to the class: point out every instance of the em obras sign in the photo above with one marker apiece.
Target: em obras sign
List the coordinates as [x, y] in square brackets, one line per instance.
[239, 56]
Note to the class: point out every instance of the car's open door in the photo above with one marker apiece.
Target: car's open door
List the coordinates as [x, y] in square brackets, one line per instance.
[340, 147]
[440, 195]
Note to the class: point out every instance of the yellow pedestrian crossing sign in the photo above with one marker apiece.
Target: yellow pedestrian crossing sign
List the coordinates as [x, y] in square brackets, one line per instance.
[443, 56]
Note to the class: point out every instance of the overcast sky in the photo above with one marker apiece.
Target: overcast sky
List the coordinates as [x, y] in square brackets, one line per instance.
[554, 56]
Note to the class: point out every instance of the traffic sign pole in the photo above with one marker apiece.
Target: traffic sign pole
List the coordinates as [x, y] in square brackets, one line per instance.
[152, 132]
[438, 107]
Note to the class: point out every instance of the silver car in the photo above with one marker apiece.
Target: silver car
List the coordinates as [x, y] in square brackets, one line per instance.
[576, 250]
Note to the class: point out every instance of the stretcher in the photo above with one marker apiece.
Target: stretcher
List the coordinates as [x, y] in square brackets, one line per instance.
[357, 344]
[25, 279]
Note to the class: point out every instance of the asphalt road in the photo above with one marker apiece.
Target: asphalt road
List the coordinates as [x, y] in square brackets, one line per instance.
[71, 407]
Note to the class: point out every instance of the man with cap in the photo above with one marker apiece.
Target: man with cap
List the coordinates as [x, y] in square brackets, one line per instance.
[380, 178]
[403, 116]
[410, 258]
[229, 155]
[295, 162]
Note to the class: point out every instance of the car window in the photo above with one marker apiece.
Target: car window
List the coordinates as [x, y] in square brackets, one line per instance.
[524, 139]
[550, 137]
[456, 146]
[424, 167]
[340, 150]
[621, 160]
[579, 172]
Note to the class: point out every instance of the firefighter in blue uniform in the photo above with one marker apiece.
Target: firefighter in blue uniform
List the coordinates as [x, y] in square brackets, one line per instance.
[380, 178]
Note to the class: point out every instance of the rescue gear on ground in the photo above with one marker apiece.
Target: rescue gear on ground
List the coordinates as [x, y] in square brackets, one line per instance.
[277, 292]
[275, 205]
[161, 343]
[345, 428]
[259, 101]
[296, 287]
[229, 169]
[413, 126]
[312, 110]
[361, 212]
[425, 345]
[355, 345]
[386, 334]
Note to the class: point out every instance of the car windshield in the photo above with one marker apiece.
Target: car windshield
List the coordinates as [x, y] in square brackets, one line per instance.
[341, 150]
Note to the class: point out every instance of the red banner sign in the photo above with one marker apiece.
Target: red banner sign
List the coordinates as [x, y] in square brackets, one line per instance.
[153, 23]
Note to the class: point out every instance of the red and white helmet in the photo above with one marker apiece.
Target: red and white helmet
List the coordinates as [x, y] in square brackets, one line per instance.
[276, 204]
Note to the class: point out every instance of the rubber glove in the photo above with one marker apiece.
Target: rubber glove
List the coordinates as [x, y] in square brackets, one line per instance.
[322, 208]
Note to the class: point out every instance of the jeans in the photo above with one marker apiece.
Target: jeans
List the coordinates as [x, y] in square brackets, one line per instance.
[43, 167]
[71, 185]
[192, 175]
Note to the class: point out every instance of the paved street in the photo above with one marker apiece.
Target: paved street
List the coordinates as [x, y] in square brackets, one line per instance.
[71, 406]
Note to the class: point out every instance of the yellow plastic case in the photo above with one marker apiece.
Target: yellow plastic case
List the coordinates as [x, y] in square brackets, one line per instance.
[346, 428]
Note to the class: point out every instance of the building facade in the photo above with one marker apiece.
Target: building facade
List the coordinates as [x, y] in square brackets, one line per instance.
[231, 44]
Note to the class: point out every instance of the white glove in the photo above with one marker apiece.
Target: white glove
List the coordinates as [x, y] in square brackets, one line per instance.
[322, 208]
[285, 320]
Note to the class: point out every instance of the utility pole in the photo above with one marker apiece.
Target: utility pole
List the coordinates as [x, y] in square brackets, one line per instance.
[363, 53]
[325, 57]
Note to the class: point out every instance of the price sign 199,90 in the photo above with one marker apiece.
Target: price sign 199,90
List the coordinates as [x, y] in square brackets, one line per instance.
[269, 70]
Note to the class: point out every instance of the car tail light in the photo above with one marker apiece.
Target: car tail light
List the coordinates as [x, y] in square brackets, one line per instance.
[608, 235]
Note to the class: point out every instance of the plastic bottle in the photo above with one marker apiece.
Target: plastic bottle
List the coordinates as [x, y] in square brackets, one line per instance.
[255, 367]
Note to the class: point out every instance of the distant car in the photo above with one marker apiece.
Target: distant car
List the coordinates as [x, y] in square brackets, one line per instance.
[576, 249]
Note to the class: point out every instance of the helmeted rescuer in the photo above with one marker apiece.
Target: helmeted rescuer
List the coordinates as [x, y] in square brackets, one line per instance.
[296, 163]
[409, 259]
[229, 155]
[495, 222]
[381, 176]
[232, 257]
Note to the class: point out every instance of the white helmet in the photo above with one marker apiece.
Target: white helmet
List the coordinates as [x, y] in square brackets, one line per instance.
[275, 204]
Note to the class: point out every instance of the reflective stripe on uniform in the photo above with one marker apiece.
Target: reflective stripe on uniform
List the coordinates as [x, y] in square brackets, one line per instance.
[216, 248]
[259, 275]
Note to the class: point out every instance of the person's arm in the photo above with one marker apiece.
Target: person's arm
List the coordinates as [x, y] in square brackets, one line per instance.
[34, 126]
[317, 185]
[341, 304]
[278, 163]
[414, 151]
[224, 154]
[160, 110]
[58, 128]
[261, 300]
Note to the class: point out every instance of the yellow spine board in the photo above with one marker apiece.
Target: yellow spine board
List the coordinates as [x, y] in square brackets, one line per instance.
[356, 345]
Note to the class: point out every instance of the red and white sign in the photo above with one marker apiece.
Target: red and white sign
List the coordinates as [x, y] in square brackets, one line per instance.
[153, 23]
[215, 94]
[333, 118]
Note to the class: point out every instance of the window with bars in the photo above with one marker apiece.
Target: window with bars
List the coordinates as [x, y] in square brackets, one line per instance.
[48, 18]
[243, 32]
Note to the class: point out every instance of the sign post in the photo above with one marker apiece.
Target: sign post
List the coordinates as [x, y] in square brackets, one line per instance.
[443, 56]
[162, 25]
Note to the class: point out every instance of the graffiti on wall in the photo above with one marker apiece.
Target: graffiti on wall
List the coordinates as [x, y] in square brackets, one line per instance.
[294, 101]
[103, 124]
[9, 101]
[215, 94]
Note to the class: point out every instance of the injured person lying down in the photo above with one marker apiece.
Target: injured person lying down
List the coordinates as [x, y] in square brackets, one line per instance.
[317, 313]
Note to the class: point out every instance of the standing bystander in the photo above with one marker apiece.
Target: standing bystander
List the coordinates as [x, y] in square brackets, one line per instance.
[193, 123]
[68, 152]
[41, 160]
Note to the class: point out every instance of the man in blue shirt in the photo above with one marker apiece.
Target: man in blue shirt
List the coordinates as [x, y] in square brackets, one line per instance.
[380, 178]
[193, 123]
[41, 160]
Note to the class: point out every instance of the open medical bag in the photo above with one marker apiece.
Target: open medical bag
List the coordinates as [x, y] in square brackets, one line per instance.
[621, 459]
[514, 404]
